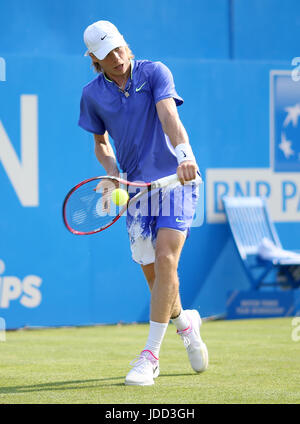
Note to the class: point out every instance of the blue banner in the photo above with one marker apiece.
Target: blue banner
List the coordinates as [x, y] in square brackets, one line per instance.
[285, 122]
[262, 304]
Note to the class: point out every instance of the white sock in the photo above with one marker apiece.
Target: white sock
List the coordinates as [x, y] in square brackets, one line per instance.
[156, 334]
[181, 322]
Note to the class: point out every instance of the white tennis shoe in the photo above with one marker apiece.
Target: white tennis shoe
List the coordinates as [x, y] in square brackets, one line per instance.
[145, 369]
[196, 348]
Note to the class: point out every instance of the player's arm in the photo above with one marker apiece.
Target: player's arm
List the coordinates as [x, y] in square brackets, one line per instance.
[173, 127]
[105, 154]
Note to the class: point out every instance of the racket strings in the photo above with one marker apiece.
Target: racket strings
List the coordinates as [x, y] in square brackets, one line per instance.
[90, 206]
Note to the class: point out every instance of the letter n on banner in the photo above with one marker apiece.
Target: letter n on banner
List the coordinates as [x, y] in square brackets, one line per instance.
[23, 173]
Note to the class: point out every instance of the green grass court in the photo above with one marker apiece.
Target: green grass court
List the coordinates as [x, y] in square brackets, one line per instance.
[253, 361]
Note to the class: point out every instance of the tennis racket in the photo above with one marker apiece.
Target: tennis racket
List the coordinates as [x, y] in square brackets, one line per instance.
[88, 207]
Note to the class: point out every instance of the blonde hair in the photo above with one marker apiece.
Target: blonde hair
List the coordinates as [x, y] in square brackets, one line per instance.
[97, 66]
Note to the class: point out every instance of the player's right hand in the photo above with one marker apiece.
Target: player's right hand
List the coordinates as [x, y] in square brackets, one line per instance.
[187, 171]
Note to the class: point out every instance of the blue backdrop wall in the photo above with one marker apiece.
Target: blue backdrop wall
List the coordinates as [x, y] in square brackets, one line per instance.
[223, 55]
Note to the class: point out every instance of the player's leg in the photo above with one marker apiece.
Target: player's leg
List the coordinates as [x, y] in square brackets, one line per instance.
[165, 291]
[146, 367]
[161, 265]
[178, 316]
[149, 273]
[165, 299]
[183, 201]
[163, 282]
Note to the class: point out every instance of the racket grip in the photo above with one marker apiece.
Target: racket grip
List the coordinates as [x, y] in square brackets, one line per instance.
[170, 179]
[163, 182]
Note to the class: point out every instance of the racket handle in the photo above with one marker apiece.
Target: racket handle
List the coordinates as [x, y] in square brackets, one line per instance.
[163, 182]
[170, 179]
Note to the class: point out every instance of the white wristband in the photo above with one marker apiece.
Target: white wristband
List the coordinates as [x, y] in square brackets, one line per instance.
[184, 152]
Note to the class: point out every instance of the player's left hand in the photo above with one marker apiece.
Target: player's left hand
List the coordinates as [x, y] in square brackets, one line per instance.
[187, 171]
[106, 187]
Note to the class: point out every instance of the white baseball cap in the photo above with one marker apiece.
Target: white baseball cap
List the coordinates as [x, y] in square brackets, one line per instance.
[101, 38]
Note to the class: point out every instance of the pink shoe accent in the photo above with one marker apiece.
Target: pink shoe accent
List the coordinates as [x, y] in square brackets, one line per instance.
[146, 350]
[185, 330]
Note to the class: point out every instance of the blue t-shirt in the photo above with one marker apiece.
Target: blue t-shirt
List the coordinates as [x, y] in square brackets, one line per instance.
[143, 150]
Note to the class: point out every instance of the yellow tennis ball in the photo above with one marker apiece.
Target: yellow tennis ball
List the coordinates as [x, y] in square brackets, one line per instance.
[119, 196]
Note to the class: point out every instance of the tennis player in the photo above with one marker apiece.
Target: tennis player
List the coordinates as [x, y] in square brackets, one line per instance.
[135, 103]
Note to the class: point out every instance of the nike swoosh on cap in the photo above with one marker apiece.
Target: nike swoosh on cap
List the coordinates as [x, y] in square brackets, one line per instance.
[139, 88]
[102, 38]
